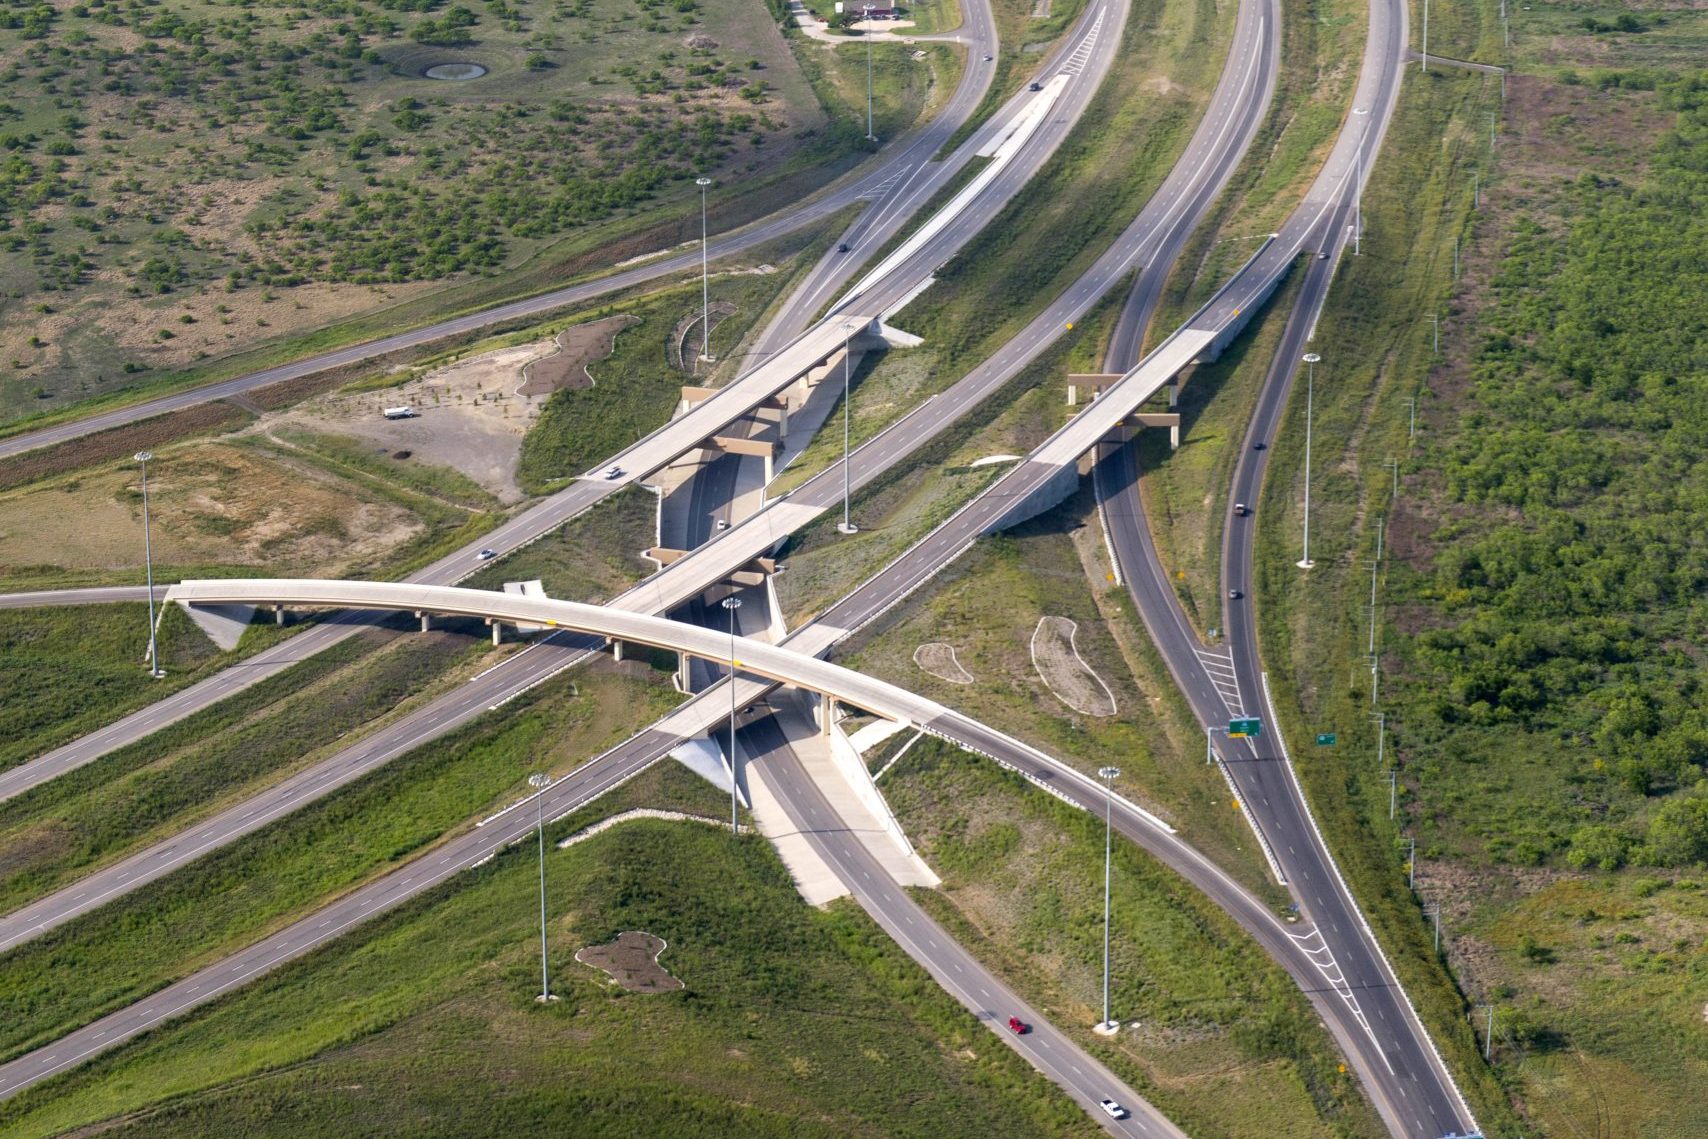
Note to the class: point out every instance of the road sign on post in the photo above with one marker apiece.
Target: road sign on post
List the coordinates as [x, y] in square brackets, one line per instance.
[1250, 726]
[1326, 739]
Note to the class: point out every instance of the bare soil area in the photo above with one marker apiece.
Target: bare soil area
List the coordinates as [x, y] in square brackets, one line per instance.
[938, 658]
[1065, 672]
[471, 414]
[632, 962]
[577, 346]
[210, 503]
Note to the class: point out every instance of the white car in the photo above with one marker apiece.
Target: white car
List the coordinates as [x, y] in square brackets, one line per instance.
[613, 472]
[1112, 1109]
[487, 555]
[723, 524]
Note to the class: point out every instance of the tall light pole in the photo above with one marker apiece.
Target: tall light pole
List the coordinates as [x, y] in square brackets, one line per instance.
[1358, 190]
[871, 135]
[539, 781]
[1311, 359]
[846, 526]
[1108, 774]
[731, 604]
[154, 668]
[705, 280]
[1424, 55]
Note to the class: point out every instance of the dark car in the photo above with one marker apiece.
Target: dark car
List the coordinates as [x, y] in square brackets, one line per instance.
[1035, 86]
[842, 247]
[1018, 1027]
[1241, 510]
[1259, 445]
[1234, 595]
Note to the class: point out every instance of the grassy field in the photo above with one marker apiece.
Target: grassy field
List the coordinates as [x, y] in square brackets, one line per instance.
[592, 558]
[110, 957]
[793, 1021]
[1051, 567]
[1224, 1043]
[56, 835]
[1538, 695]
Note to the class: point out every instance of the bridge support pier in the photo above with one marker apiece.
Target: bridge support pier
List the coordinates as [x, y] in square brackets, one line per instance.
[497, 632]
[426, 620]
[278, 614]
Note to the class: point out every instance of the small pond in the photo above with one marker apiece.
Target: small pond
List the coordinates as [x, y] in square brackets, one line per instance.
[455, 71]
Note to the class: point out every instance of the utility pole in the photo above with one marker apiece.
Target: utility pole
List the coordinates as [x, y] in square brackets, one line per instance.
[1375, 679]
[731, 604]
[1492, 117]
[1455, 257]
[1311, 359]
[1393, 792]
[1435, 342]
[1394, 465]
[539, 781]
[1358, 190]
[1411, 866]
[705, 285]
[847, 524]
[1371, 648]
[154, 669]
[1476, 191]
[1108, 774]
[1411, 419]
[871, 135]
[1434, 911]
[1381, 719]
[1424, 55]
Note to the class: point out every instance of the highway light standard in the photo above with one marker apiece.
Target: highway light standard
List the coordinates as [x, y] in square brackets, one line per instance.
[154, 669]
[871, 135]
[1311, 359]
[731, 604]
[846, 526]
[1358, 190]
[705, 284]
[539, 781]
[1107, 1026]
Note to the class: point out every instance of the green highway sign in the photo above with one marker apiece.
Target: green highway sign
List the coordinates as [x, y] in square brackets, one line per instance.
[1326, 739]
[1250, 726]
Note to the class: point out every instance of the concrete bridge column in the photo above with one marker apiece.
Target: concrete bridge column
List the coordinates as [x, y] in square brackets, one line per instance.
[426, 620]
[497, 632]
[278, 614]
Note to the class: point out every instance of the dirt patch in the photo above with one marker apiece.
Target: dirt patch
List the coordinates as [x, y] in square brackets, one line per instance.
[469, 416]
[1163, 85]
[577, 346]
[1065, 672]
[632, 962]
[211, 503]
[938, 658]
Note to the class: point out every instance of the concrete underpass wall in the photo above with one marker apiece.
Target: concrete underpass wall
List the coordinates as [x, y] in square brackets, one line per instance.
[1057, 489]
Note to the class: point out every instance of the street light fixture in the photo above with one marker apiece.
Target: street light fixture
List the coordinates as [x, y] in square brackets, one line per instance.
[731, 604]
[705, 283]
[1107, 1025]
[1358, 190]
[846, 526]
[539, 781]
[1311, 359]
[871, 135]
[154, 668]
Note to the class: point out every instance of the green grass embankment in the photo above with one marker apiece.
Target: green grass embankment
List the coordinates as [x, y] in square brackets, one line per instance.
[1218, 1038]
[202, 912]
[793, 1021]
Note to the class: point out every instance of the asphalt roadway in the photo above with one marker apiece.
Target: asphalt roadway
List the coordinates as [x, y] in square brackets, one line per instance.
[1399, 1065]
[908, 194]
